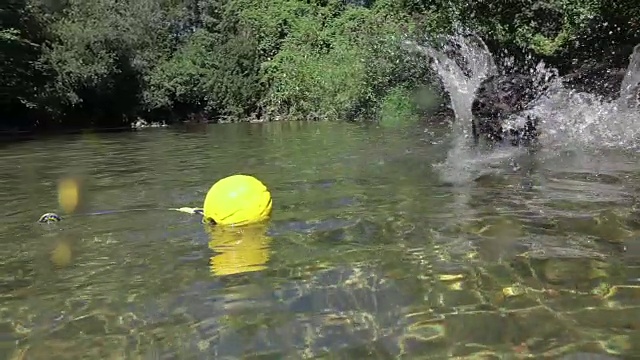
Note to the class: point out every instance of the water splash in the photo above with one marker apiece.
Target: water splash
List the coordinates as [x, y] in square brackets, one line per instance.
[569, 118]
[462, 64]
[631, 81]
[584, 120]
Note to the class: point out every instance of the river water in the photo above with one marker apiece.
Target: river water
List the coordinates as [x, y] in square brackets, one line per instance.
[371, 251]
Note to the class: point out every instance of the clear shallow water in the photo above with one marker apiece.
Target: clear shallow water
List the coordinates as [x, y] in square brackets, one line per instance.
[373, 251]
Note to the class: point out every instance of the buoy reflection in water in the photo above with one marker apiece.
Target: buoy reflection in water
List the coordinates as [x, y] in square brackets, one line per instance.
[238, 249]
[71, 194]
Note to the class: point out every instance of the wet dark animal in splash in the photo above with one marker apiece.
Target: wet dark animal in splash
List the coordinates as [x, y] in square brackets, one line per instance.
[501, 99]
[498, 106]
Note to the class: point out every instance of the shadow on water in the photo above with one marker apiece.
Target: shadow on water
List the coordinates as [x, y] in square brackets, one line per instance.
[369, 253]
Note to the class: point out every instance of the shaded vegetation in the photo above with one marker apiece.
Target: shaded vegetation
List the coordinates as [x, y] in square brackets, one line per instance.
[106, 63]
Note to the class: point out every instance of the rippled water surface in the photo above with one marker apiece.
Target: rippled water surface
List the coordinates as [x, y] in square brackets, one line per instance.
[373, 251]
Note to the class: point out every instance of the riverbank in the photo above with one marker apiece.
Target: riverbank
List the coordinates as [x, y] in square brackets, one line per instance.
[279, 59]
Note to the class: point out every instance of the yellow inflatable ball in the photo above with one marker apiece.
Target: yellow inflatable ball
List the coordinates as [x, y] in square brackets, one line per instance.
[237, 200]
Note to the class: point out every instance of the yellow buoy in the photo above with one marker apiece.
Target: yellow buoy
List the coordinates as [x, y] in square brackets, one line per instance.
[237, 200]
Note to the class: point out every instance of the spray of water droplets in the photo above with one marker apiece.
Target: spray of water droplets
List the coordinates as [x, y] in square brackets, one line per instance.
[568, 116]
[585, 120]
[569, 119]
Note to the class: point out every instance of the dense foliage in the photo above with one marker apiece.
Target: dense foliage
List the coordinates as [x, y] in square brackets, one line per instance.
[77, 63]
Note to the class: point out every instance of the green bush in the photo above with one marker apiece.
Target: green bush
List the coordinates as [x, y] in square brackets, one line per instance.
[307, 84]
[398, 108]
[107, 62]
[342, 67]
[100, 53]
